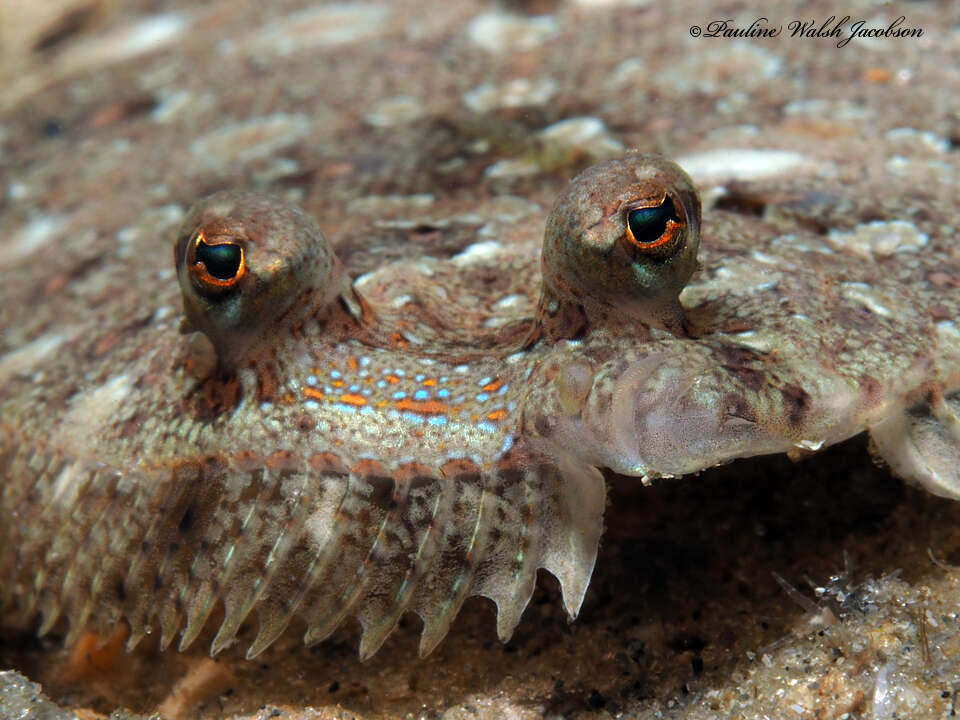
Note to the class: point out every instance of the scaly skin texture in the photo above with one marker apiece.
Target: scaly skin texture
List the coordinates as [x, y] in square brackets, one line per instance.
[324, 449]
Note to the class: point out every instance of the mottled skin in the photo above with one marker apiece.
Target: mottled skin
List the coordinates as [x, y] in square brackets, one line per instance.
[324, 450]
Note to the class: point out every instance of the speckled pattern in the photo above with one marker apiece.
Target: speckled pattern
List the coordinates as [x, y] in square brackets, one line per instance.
[825, 304]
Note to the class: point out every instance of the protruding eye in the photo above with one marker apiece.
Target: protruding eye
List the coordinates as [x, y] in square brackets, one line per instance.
[216, 267]
[246, 262]
[621, 242]
[653, 228]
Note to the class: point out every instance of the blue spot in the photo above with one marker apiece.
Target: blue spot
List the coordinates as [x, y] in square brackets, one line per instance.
[399, 373]
[437, 420]
[482, 397]
[366, 392]
[381, 383]
[421, 395]
[413, 417]
[443, 393]
[345, 407]
[311, 380]
[364, 362]
[503, 389]
[420, 377]
[354, 388]
[507, 443]
[487, 427]
[364, 373]
[399, 395]
[443, 379]
[311, 405]
[486, 381]
[335, 374]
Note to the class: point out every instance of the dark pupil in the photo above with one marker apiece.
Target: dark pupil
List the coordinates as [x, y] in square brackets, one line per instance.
[221, 261]
[648, 224]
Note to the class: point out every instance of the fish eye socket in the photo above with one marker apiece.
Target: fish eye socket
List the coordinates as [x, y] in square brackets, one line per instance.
[650, 228]
[216, 267]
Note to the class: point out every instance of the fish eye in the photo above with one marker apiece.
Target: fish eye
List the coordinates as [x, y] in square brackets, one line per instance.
[244, 262]
[653, 228]
[620, 245]
[216, 267]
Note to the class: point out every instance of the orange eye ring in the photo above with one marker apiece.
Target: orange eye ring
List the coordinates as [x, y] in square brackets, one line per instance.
[216, 267]
[666, 238]
[653, 229]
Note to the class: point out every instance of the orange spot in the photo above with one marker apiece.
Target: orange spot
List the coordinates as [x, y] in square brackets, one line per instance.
[430, 382]
[337, 383]
[493, 386]
[409, 472]
[90, 657]
[108, 342]
[369, 468]
[310, 392]
[217, 395]
[393, 379]
[246, 460]
[351, 399]
[427, 407]
[497, 414]
[399, 340]
[329, 463]
[288, 397]
[283, 460]
[56, 283]
[267, 383]
[878, 76]
[352, 363]
[383, 403]
[458, 468]
[336, 170]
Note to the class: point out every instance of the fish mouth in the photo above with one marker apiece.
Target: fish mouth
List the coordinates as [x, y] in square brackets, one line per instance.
[672, 413]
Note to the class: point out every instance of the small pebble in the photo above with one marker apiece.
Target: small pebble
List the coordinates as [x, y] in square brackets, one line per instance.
[500, 32]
